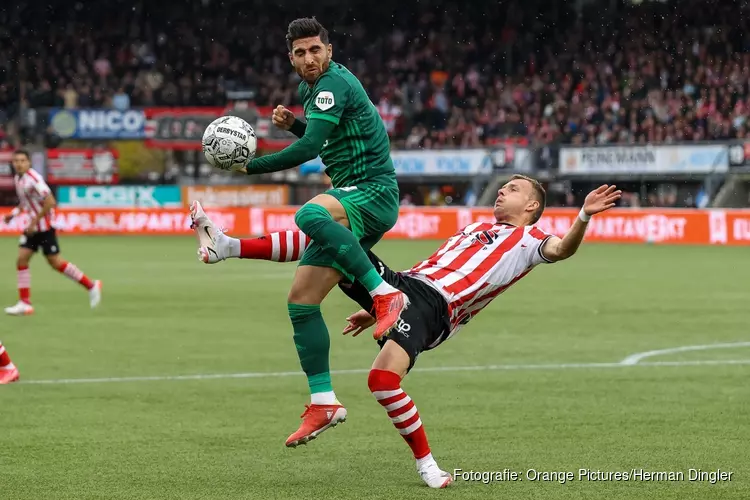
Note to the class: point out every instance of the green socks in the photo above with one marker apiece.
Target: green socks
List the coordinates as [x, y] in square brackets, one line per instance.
[316, 222]
[313, 345]
[310, 332]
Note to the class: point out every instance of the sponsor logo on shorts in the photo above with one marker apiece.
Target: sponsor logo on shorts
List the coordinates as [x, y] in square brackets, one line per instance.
[403, 328]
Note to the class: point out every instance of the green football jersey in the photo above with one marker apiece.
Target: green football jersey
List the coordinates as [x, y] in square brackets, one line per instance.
[358, 149]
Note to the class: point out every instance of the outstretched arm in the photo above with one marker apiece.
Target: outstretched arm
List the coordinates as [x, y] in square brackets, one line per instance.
[326, 109]
[358, 322]
[307, 148]
[601, 199]
[13, 213]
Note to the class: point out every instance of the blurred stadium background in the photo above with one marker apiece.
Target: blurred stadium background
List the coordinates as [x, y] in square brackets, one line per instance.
[112, 98]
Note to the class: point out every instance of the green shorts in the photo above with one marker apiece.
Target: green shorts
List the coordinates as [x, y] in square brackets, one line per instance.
[372, 210]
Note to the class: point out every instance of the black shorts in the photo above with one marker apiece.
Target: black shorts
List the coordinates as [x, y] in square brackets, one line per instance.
[425, 323]
[47, 240]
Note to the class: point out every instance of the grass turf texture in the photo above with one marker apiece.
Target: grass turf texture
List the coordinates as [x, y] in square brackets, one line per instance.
[163, 313]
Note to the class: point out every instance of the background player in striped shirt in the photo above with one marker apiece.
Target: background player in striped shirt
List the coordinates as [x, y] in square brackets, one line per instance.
[447, 290]
[36, 201]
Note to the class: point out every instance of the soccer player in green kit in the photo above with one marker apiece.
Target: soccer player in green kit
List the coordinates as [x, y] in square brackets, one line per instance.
[345, 129]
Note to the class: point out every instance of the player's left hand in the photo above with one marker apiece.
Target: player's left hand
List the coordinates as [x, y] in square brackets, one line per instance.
[601, 199]
[358, 322]
[243, 169]
[29, 230]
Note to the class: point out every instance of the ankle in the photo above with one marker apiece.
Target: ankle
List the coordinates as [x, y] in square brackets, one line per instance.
[234, 247]
[425, 461]
[383, 289]
[324, 398]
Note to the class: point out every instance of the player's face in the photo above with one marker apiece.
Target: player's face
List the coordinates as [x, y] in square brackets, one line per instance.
[21, 164]
[310, 57]
[515, 200]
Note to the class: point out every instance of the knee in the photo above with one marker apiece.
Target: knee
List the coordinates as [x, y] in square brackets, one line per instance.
[312, 284]
[382, 380]
[309, 216]
[296, 294]
[299, 295]
[372, 380]
[54, 262]
[22, 261]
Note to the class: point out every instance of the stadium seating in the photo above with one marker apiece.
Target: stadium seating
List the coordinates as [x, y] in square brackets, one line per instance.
[447, 73]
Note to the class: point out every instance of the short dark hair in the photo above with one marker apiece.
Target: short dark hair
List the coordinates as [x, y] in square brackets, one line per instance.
[22, 152]
[305, 27]
[539, 193]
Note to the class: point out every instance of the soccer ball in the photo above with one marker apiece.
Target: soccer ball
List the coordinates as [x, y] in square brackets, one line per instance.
[229, 143]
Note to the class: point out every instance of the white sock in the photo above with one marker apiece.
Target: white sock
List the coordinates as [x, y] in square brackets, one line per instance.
[383, 289]
[323, 398]
[9, 366]
[233, 246]
[421, 462]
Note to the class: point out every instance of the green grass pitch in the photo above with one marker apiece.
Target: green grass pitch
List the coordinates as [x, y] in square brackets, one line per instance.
[556, 400]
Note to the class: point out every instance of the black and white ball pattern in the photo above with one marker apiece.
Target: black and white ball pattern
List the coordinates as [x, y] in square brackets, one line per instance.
[229, 143]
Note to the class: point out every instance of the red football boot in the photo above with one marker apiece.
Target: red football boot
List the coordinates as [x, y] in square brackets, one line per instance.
[8, 376]
[315, 420]
[388, 309]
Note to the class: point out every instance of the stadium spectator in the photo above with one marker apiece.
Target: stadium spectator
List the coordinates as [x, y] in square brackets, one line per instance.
[444, 74]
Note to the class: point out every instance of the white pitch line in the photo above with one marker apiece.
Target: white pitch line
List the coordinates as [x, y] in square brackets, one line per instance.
[556, 366]
[697, 362]
[634, 359]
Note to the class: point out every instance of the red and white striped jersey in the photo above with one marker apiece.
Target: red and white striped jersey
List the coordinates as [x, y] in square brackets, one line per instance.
[479, 263]
[32, 190]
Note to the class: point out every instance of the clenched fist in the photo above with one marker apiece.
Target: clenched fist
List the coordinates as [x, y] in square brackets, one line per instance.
[283, 118]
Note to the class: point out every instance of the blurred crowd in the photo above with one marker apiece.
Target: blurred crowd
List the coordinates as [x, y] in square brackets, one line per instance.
[443, 73]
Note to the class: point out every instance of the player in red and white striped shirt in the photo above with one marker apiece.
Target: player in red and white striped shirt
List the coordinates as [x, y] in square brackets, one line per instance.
[36, 203]
[453, 285]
